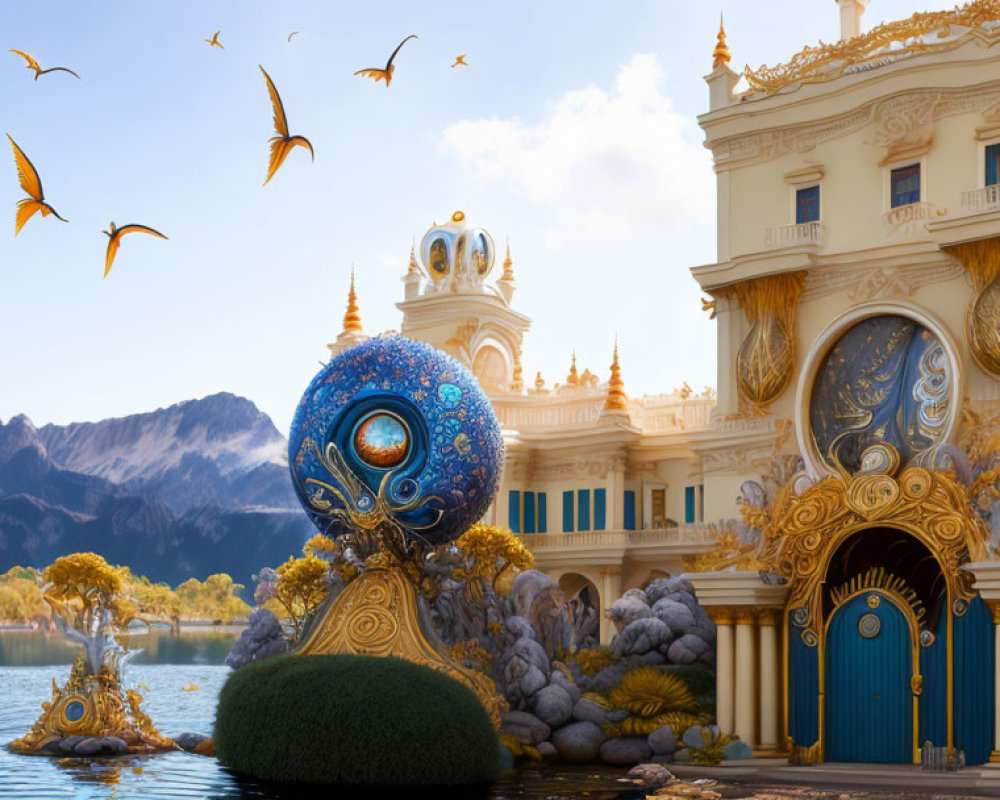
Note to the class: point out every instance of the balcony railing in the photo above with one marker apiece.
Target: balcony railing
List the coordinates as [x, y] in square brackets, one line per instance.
[985, 199]
[805, 233]
[697, 535]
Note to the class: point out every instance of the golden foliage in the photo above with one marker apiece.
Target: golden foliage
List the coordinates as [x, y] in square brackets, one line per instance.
[493, 551]
[679, 721]
[21, 598]
[518, 749]
[594, 659]
[714, 750]
[83, 577]
[301, 586]
[212, 599]
[647, 691]
[598, 699]
[320, 543]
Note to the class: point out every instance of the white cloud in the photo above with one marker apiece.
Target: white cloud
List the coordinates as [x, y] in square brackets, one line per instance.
[605, 165]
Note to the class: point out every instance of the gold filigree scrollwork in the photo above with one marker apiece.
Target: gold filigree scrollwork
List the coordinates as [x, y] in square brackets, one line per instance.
[377, 614]
[806, 529]
[982, 320]
[766, 356]
[924, 31]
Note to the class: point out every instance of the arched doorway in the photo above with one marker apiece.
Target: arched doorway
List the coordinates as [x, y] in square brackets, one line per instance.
[585, 600]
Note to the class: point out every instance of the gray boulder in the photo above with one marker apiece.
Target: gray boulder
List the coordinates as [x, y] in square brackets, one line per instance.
[88, 747]
[618, 715]
[629, 608]
[685, 598]
[533, 681]
[662, 741]
[260, 639]
[548, 752]
[525, 727]
[653, 776]
[69, 743]
[526, 587]
[625, 750]
[682, 756]
[676, 616]
[552, 705]
[688, 649]
[736, 751]
[588, 711]
[114, 745]
[693, 736]
[578, 742]
[641, 636]
[189, 741]
[559, 679]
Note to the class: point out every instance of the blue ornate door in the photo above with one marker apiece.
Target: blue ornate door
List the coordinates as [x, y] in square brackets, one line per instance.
[869, 664]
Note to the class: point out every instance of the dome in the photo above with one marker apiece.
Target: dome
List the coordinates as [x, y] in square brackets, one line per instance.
[456, 255]
[396, 430]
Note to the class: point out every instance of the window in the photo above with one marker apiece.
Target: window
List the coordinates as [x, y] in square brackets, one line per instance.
[992, 164]
[529, 512]
[630, 511]
[583, 510]
[600, 509]
[694, 504]
[658, 498]
[807, 205]
[514, 511]
[904, 185]
[567, 512]
[543, 520]
[689, 509]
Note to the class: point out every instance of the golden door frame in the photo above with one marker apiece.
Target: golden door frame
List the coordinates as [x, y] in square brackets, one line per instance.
[805, 530]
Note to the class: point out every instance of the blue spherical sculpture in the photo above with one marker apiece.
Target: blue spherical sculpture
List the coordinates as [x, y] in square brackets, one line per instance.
[395, 432]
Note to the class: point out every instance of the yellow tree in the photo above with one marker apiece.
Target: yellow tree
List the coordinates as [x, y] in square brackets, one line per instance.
[12, 607]
[25, 582]
[493, 551]
[214, 598]
[301, 586]
[146, 601]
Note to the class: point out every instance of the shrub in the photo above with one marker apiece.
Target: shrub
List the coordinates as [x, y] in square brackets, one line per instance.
[653, 698]
[345, 719]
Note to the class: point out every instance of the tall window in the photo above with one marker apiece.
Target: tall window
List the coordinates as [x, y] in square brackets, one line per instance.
[629, 510]
[992, 164]
[528, 517]
[904, 185]
[583, 510]
[567, 512]
[694, 504]
[807, 205]
[543, 513]
[600, 509]
[514, 510]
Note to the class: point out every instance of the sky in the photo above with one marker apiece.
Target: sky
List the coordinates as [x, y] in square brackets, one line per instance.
[572, 133]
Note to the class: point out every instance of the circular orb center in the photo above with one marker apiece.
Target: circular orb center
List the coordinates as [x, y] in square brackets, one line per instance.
[382, 441]
[74, 710]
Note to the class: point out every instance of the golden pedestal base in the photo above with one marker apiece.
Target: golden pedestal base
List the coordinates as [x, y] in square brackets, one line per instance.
[995, 756]
[377, 615]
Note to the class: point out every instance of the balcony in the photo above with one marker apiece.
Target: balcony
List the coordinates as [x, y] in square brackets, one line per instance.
[805, 234]
[660, 545]
[979, 200]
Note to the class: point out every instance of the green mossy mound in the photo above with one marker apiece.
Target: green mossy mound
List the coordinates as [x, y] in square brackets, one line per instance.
[352, 720]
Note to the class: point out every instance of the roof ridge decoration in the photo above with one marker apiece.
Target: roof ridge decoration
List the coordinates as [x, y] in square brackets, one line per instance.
[874, 48]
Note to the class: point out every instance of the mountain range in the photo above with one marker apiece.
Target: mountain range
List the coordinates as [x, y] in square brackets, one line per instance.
[185, 491]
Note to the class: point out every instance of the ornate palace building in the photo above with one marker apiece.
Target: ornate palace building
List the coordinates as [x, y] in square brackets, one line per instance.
[857, 294]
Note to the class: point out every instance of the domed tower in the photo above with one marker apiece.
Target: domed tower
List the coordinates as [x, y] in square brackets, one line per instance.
[457, 310]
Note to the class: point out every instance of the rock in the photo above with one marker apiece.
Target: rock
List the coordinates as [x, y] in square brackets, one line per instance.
[588, 711]
[653, 776]
[52, 747]
[676, 616]
[735, 751]
[114, 745]
[578, 742]
[548, 752]
[628, 609]
[687, 649]
[618, 715]
[533, 653]
[662, 741]
[69, 743]
[261, 638]
[552, 705]
[661, 587]
[525, 587]
[533, 681]
[521, 628]
[189, 741]
[559, 679]
[525, 727]
[88, 747]
[625, 750]
[682, 756]
[692, 737]
[641, 636]
[687, 598]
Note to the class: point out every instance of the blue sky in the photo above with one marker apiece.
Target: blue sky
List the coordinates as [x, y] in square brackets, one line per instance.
[572, 132]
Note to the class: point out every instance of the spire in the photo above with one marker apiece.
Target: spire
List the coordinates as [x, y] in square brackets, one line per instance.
[573, 379]
[539, 381]
[413, 268]
[517, 381]
[352, 317]
[617, 399]
[508, 266]
[720, 55]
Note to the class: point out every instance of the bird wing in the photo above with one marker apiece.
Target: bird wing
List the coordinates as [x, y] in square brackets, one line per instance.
[374, 73]
[302, 141]
[49, 209]
[280, 123]
[26, 173]
[25, 209]
[291, 35]
[279, 149]
[31, 62]
[389, 62]
[115, 242]
[137, 229]
[58, 69]
[109, 258]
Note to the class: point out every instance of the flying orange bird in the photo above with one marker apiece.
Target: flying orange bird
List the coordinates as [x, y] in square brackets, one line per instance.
[27, 175]
[460, 60]
[114, 242]
[32, 64]
[377, 74]
[214, 41]
[282, 144]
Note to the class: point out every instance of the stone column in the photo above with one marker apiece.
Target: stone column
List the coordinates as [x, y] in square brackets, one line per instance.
[615, 503]
[611, 590]
[767, 620]
[722, 616]
[744, 724]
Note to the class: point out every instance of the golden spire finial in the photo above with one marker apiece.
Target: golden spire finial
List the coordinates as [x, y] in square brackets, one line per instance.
[517, 380]
[573, 378]
[508, 271]
[720, 55]
[539, 381]
[414, 267]
[617, 399]
[352, 317]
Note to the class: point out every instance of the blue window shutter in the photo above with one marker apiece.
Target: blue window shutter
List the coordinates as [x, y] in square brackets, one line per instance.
[514, 511]
[905, 185]
[629, 510]
[689, 508]
[600, 508]
[807, 205]
[568, 512]
[992, 164]
[529, 512]
[543, 514]
[583, 510]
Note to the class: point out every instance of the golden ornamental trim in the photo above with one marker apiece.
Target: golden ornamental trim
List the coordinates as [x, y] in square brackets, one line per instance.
[917, 34]
[982, 319]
